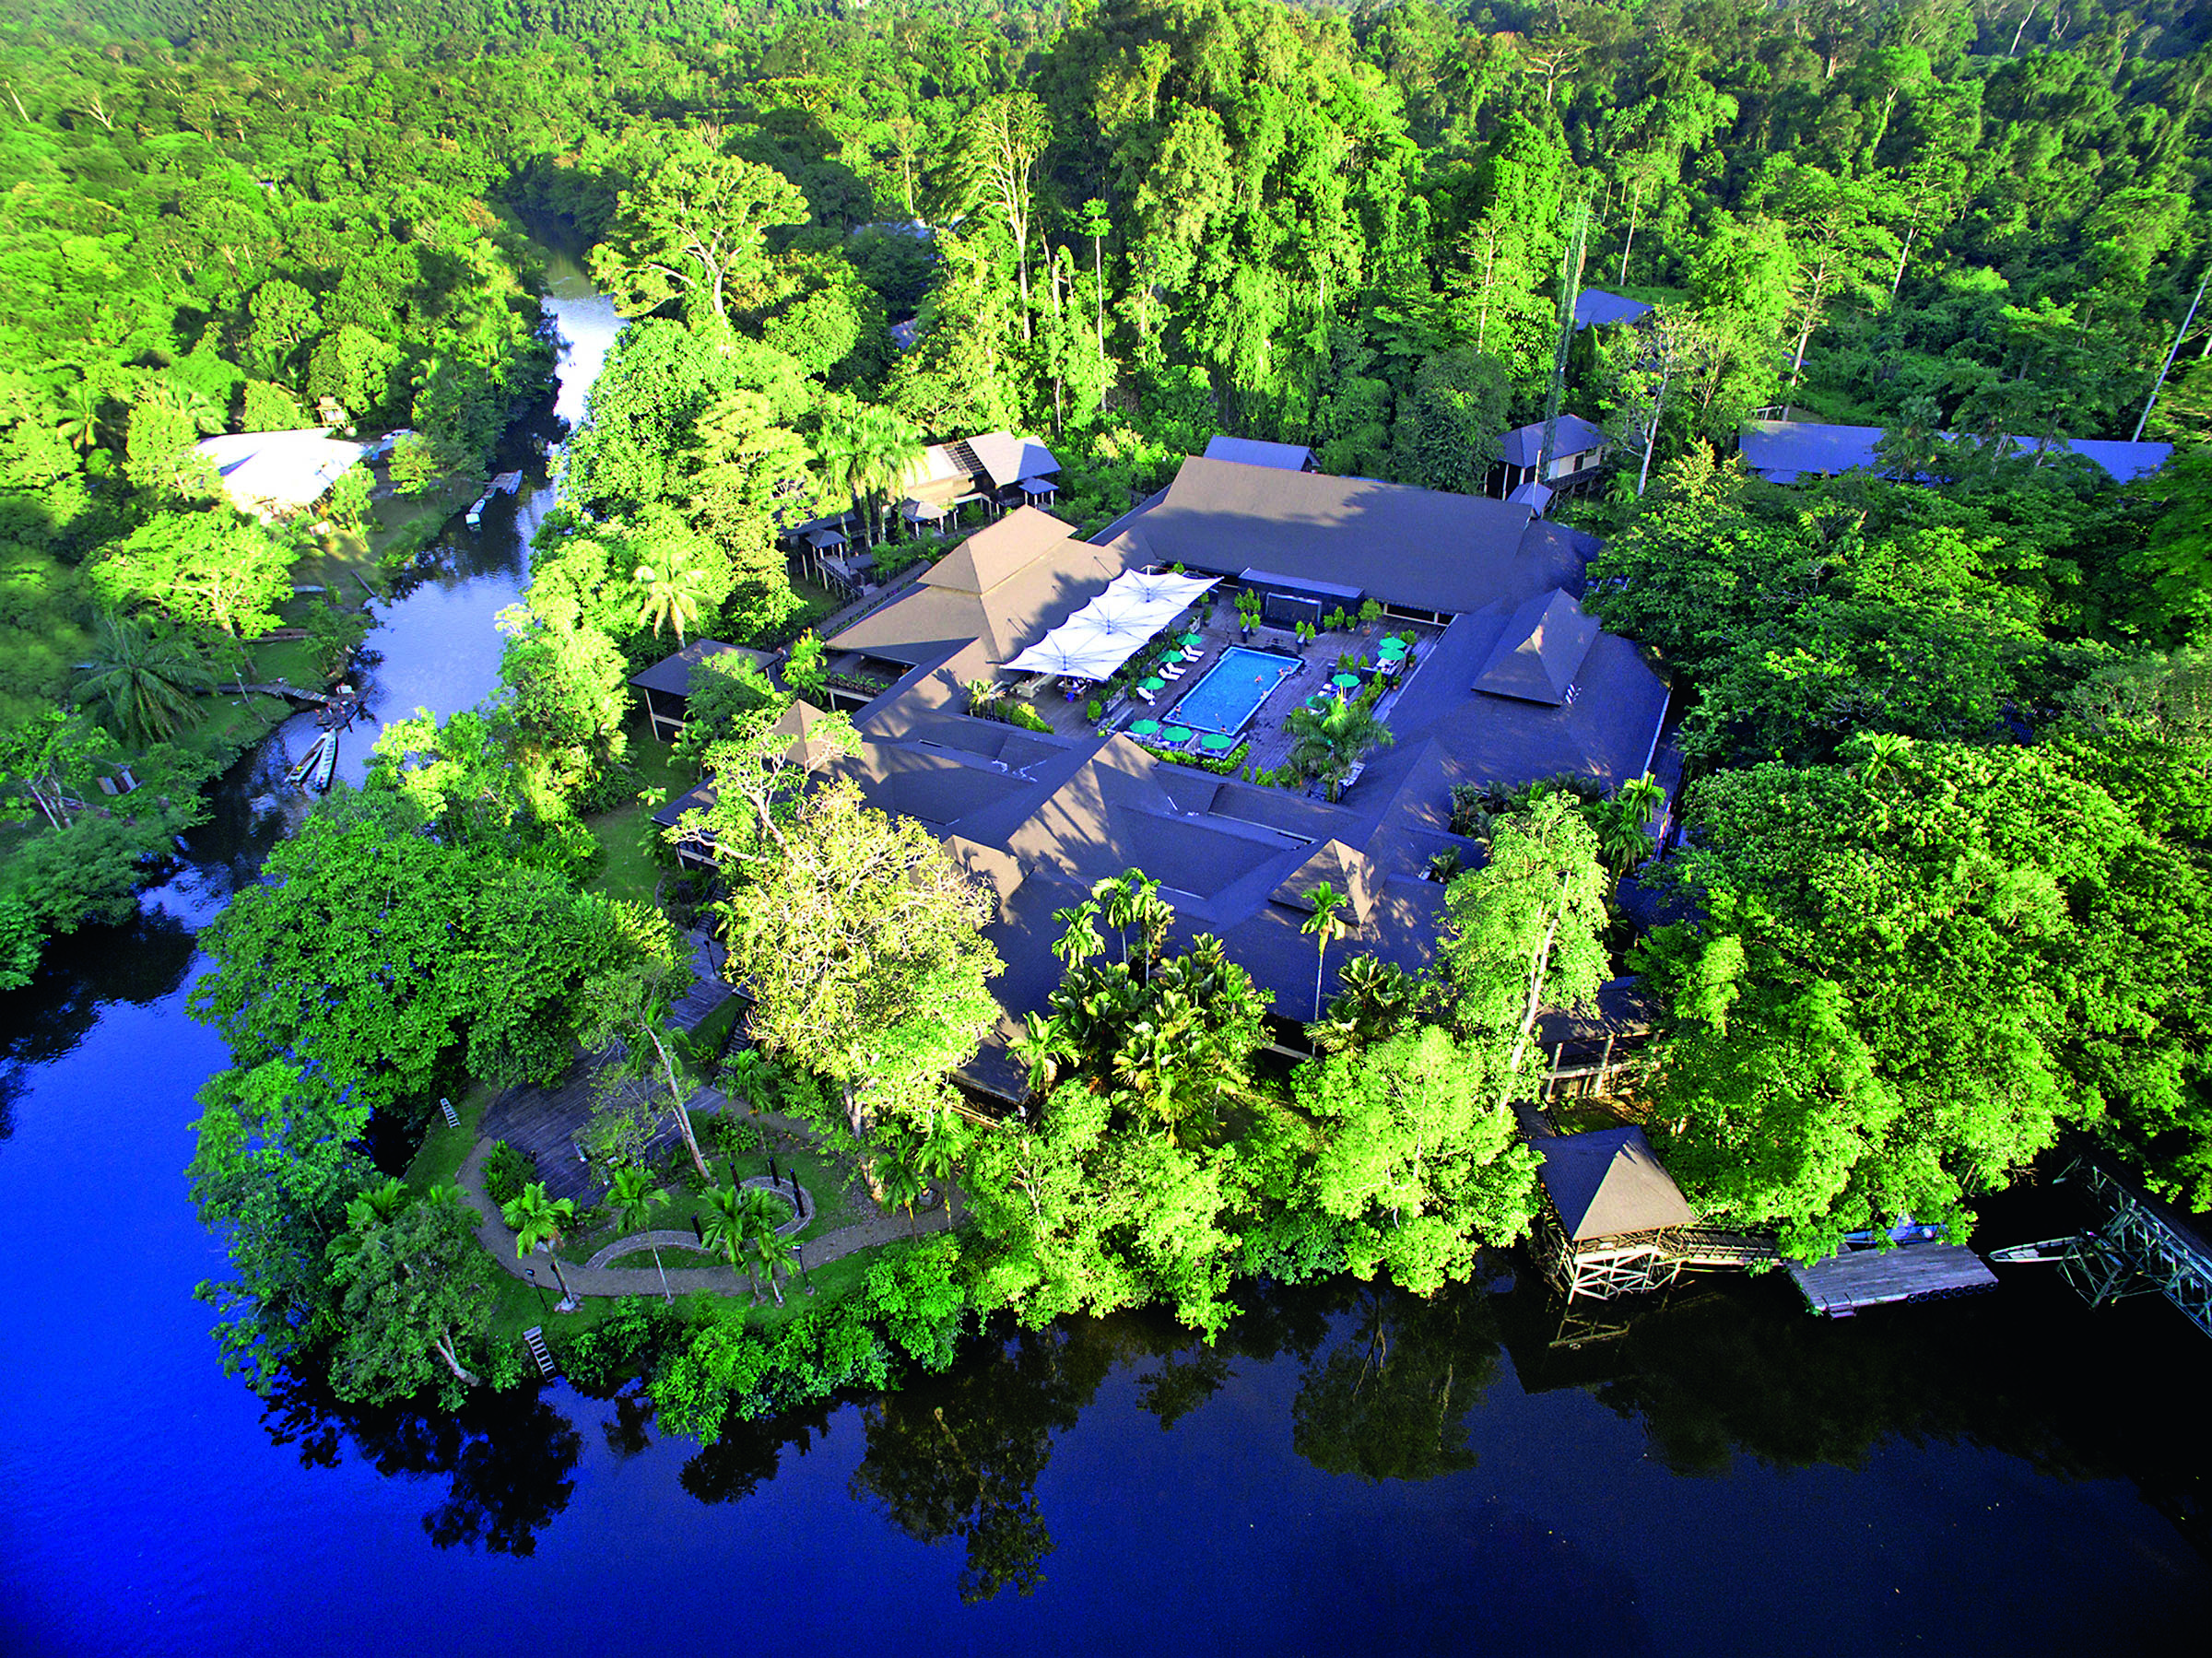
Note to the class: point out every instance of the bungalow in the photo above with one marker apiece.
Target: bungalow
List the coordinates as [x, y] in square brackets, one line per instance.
[1594, 308]
[1578, 451]
[996, 468]
[667, 683]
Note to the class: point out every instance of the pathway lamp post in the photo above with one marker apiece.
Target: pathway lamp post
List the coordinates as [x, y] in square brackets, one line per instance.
[798, 1254]
[531, 1272]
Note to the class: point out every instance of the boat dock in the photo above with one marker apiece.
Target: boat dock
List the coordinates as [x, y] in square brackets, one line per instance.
[1857, 1278]
[504, 483]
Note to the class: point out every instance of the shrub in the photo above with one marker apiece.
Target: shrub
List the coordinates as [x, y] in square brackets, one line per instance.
[1094, 711]
[625, 1343]
[506, 1172]
[1371, 611]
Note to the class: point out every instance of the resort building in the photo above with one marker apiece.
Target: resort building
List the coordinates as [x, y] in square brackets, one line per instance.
[1505, 680]
[1787, 451]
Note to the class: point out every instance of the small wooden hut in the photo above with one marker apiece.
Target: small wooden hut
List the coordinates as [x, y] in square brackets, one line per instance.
[1612, 1216]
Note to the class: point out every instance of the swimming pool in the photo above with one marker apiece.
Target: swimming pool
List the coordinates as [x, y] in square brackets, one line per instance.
[1233, 690]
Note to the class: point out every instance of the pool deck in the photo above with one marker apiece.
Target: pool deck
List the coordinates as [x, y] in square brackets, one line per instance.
[1270, 670]
[1265, 731]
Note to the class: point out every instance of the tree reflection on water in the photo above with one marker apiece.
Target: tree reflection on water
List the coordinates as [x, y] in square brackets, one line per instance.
[1389, 1387]
[507, 1460]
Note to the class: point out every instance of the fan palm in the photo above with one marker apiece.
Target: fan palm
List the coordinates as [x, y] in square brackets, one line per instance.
[81, 404]
[144, 676]
[633, 1198]
[538, 1218]
[671, 596]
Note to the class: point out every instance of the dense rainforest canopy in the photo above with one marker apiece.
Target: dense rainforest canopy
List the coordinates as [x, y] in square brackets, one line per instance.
[1941, 896]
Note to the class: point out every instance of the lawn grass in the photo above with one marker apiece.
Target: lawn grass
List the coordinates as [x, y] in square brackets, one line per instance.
[824, 1181]
[228, 726]
[437, 1161]
[628, 869]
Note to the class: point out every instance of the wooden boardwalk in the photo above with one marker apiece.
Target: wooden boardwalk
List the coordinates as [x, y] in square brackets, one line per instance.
[707, 991]
[1843, 1284]
[542, 1123]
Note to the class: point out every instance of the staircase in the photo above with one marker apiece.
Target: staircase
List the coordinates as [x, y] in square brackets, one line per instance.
[535, 1339]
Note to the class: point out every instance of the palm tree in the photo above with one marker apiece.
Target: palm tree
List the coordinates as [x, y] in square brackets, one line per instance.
[729, 1220]
[937, 1157]
[903, 1181]
[1324, 925]
[633, 1198]
[539, 1218]
[81, 404]
[752, 1073]
[146, 678]
[840, 452]
[671, 596]
[759, 1242]
[190, 401]
[1331, 740]
[889, 445]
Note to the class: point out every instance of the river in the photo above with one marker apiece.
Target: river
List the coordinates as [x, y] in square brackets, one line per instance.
[2011, 1474]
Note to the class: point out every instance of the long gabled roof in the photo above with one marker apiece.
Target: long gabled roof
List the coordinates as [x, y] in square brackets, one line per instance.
[1610, 1184]
[1257, 451]
[1419, 548]
[672, 675]
[1781, 452]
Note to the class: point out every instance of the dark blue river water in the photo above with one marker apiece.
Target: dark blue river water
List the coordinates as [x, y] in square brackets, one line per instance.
[2007, 1474]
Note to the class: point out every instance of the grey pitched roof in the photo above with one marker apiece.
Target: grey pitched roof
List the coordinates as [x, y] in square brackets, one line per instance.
[1419, 548]
[1254, 451]
[1623, 1008]
[1785, 451]
[1536, 656]
[1610, 1184]
[1536, 497]
[1576, 435]
[672, 675]
[1594, 308]
[1007, 459]
[1007, 586]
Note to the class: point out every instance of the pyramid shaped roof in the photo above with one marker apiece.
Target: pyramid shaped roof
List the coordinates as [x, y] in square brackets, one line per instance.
[998, 550]
[1610, 1184]
[1346, 871]
[1541, 650]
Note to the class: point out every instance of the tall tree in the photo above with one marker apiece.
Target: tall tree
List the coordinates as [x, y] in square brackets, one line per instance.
[1006, 134]
[414, 1296]
[1523, 931]
[860, 942]
[695, 228]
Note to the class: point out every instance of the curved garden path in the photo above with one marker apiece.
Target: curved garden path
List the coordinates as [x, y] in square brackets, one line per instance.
[599, 1279]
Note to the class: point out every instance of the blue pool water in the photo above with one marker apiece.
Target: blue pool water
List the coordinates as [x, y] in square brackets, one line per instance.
[1232, 689]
